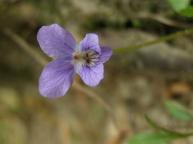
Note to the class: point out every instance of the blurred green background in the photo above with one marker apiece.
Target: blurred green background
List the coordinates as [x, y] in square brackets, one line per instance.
[135, 83]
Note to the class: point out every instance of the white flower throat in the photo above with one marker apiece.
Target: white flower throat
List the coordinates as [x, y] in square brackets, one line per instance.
[88, 58]
[84, 58]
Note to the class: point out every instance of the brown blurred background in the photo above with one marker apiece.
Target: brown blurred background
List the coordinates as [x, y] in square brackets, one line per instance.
[135, 83]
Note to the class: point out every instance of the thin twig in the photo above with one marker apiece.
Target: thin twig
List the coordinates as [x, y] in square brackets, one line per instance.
[156, 41]
[97, 98]
[164, 20]
[25, 46]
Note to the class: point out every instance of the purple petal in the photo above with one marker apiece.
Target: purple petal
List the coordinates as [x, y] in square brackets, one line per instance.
[55, 41]
[92, 75]
[90, 42]
[56, 78]
[106, 53]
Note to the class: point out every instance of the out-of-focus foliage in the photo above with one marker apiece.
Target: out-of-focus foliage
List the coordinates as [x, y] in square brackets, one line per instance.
[153, 138]
[178, 111]
[182, 7]
[161, 135]
[134, 83]
[179, 5]
[188, 11]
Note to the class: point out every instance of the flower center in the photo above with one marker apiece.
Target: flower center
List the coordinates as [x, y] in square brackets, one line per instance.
[88, 58]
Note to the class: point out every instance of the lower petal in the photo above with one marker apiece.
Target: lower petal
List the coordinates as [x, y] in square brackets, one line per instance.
[92, 75]
[56, 78]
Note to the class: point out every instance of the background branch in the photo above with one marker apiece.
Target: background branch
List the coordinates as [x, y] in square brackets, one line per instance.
[164, 20]
[156, 41]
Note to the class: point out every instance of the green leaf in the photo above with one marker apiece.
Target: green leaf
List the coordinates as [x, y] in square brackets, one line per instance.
[153, 138]
[179, 5]
[160, 136]
[178, 111]
[188, 12]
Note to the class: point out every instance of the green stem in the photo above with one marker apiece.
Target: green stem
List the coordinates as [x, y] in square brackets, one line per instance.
[156, 41]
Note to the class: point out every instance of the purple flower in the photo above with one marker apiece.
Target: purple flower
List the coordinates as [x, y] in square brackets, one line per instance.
[86, 59]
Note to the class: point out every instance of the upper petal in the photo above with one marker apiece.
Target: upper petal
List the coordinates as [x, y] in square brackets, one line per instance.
[106, 53]
[90, 42]
[56, 78]
[55, 41]
[92, 75]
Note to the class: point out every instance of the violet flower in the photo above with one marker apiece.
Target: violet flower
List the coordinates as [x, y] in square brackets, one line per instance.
[86, 59]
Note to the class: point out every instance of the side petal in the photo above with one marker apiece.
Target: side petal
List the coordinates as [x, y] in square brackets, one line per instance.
[55, 41]
[56, 78]
[90, 42]
[106, 53]
[92, 75]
